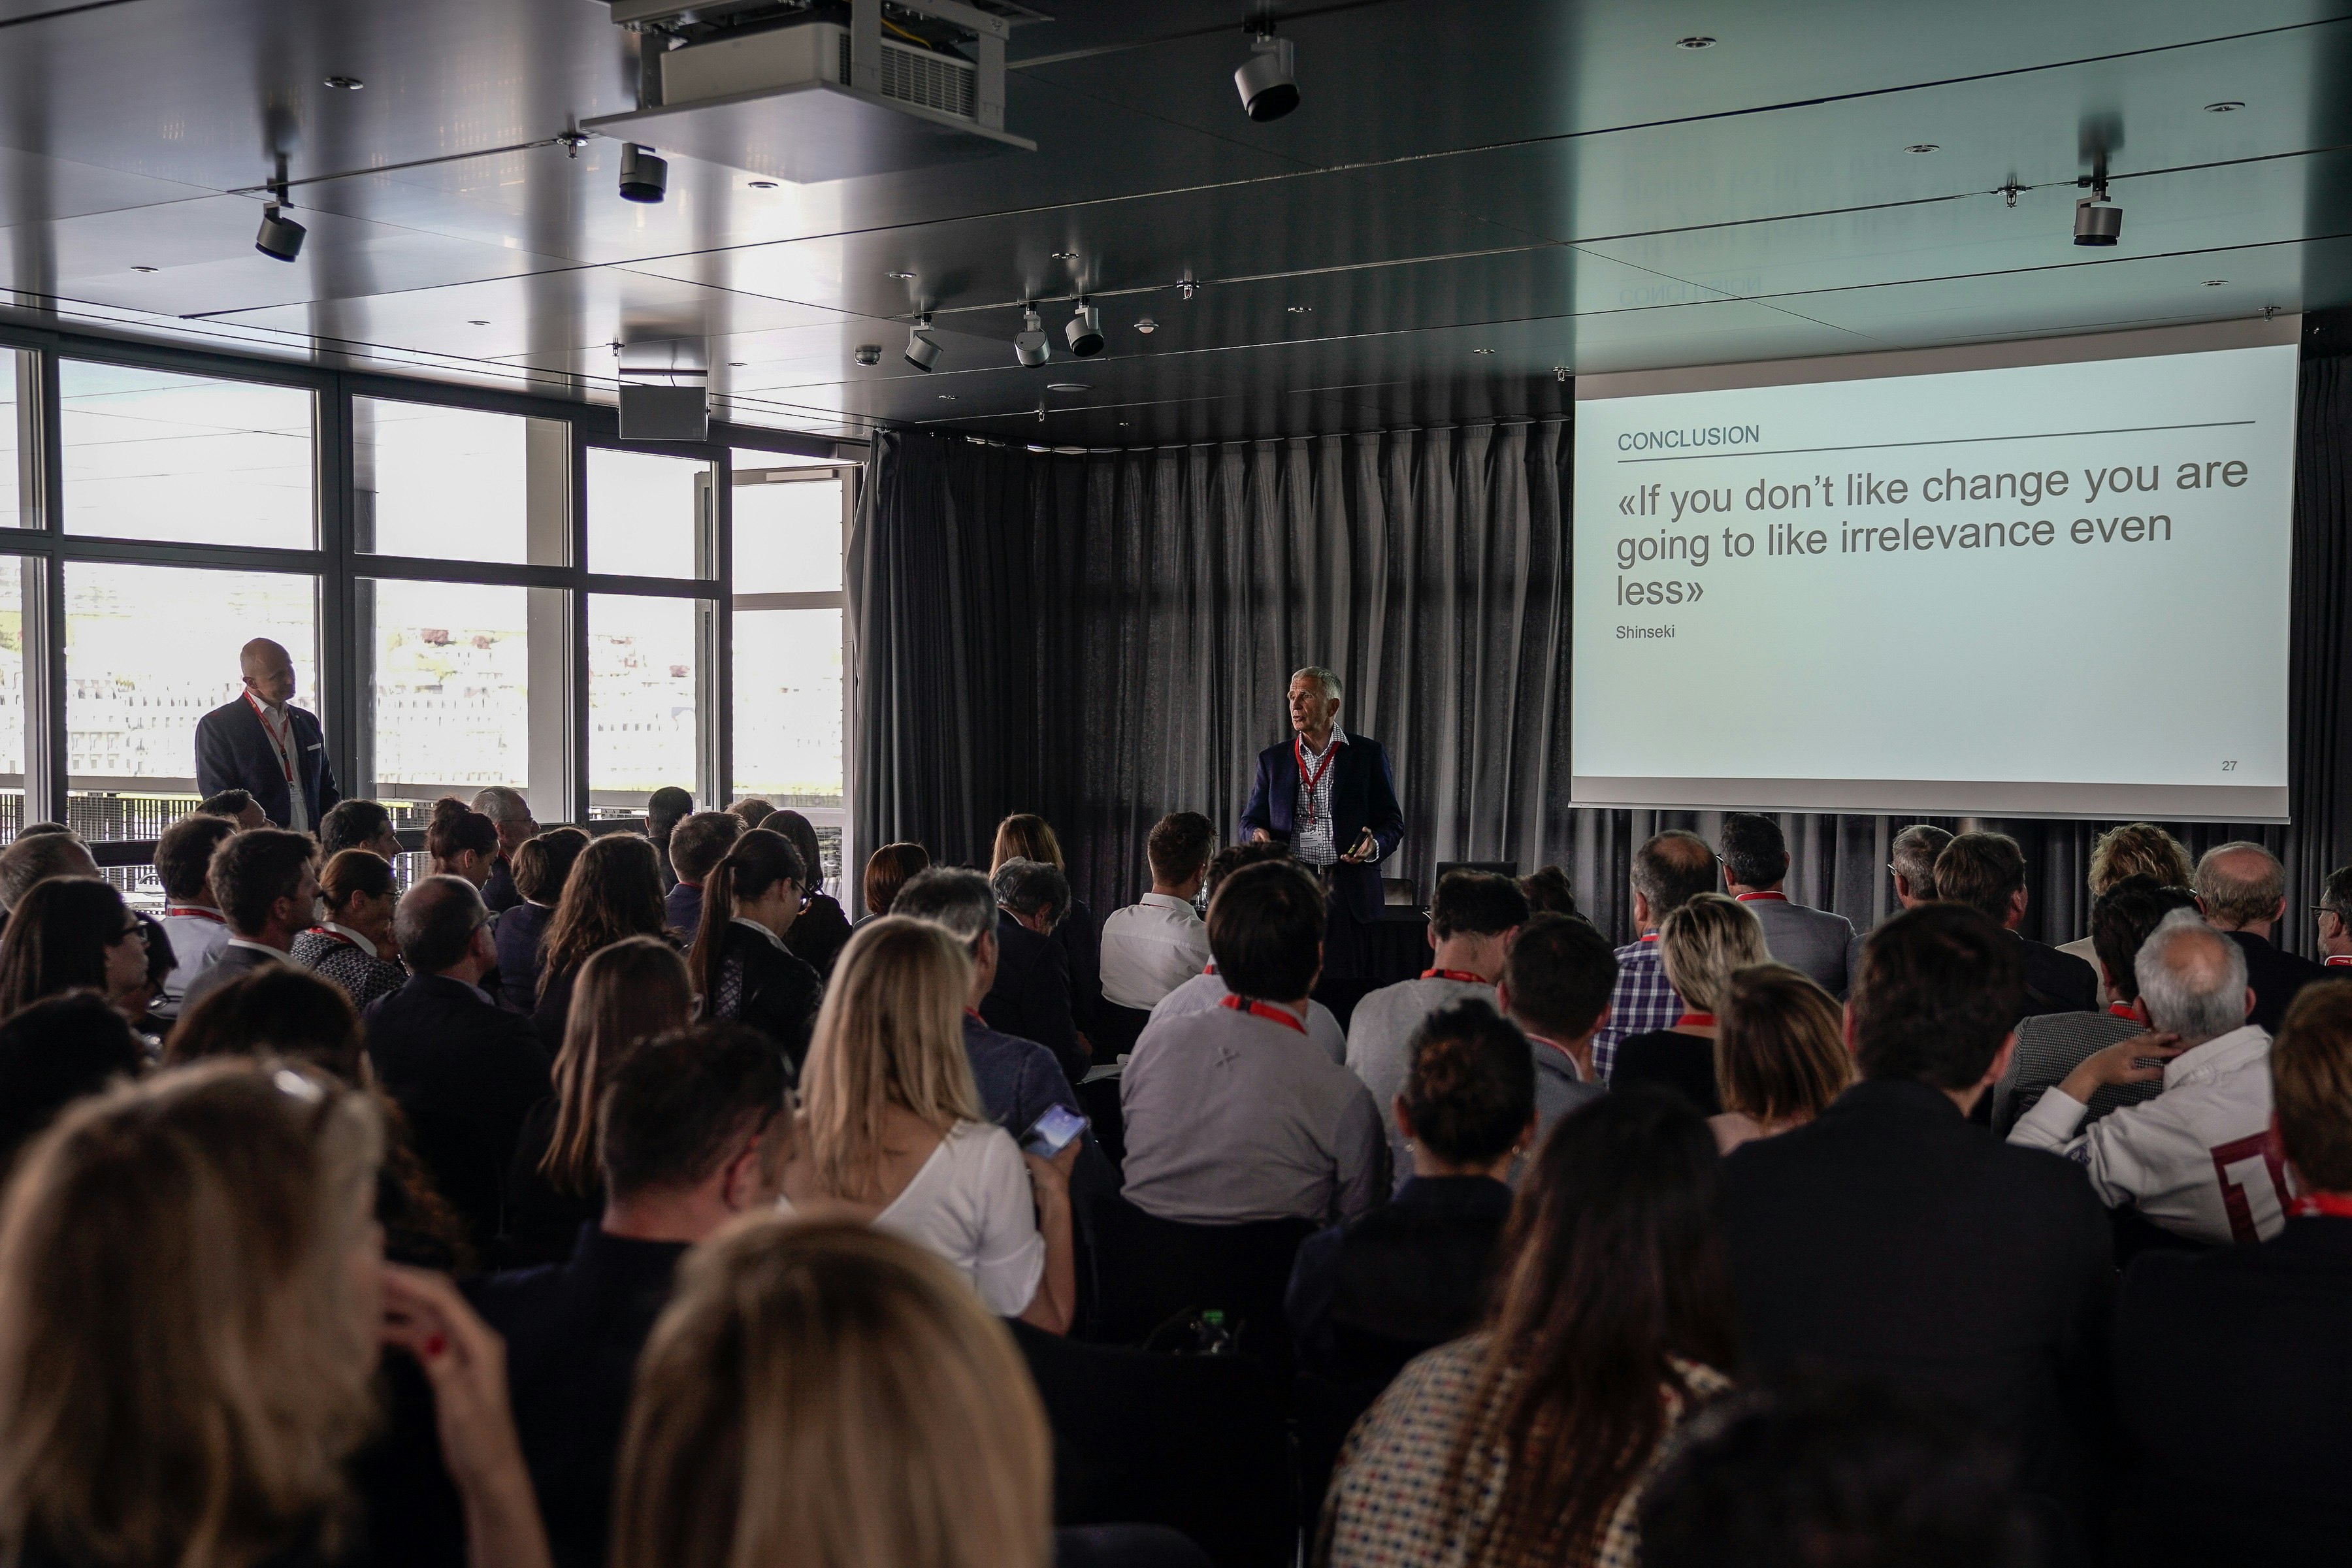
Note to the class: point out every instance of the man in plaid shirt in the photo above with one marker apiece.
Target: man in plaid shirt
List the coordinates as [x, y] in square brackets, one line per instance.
[1669, 871]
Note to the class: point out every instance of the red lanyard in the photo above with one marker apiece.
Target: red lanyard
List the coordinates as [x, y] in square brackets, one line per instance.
[2123, 1010]
[2336, 1205]
[1763, 898]
[1312, 780]
[335, 936]
[1211, 969]
[973, 1014]
[195, 912]
[1282, 1016]
[1652, 937]
[1464, 975]
[282, 744]
[2337, 960]
[1696, 1019]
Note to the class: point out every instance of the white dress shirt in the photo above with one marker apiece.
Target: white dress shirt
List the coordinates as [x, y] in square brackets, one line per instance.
[1150, 947]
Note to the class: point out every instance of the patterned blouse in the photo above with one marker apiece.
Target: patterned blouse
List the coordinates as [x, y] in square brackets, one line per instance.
[363, 976]
[1384, 1506]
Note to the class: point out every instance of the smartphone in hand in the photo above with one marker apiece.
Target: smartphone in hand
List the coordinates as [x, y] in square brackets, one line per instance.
[1053, 1132]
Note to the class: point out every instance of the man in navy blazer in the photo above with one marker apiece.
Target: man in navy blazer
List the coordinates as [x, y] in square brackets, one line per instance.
[262, 743]
[1330, 796]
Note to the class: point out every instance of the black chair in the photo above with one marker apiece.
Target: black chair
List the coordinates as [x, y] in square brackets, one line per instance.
[1116, 1029]
[1156, 1272]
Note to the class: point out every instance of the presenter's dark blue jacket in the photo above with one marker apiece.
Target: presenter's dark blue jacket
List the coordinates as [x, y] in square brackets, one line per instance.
[234, 753]
[1363, 795]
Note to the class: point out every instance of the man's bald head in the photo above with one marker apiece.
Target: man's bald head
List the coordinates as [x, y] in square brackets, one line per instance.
[1670, 871]
[2192, 979]
[2240, 885]
[267, 668]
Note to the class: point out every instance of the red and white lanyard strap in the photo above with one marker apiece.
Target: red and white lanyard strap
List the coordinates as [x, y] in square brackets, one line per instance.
[195, 912]
[2124, 1010]
[1312, 780]
[283, 744]
[1267, 1010]
[334, 936]
[2337, 960]
[1696, 1020]
[1464, 975]
[2336, 1205]
[1763, 898]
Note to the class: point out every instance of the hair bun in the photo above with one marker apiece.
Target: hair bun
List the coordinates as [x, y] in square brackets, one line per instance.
[449, 807]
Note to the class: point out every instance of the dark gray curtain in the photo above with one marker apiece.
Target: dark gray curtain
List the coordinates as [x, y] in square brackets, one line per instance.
[1105, 637]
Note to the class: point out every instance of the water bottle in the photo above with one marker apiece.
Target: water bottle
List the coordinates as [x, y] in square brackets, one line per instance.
[1215, 1335]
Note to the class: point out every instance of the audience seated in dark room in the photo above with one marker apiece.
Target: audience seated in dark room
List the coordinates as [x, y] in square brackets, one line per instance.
[1028, 837]
[887, 869]
[1669, 871]
[2241, 887]
[1556, 986]
[1986, 871]
[1034, 996]
[193, 921]
[822, 928]
[1813, 941]
[2128, 850]
[541, 866]
[1706, 938]
[1157, 943]
[614, 891]
[1208, 990]
[353, 945]
[742, 970]
[1781, 1055]
[695, 845]
[265, 881]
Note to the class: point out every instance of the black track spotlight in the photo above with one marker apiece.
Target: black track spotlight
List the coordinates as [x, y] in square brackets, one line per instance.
[922, 349]
[1085, 332]
[2097, 221]
[1268, 80]
[643, 177]
[280, 238]
[1032, 348]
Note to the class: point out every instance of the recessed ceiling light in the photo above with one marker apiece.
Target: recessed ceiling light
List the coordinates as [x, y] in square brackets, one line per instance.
[947, 397]
[1695, 41]
[142, 270]
[1122, 424]
[1147, 326]
[901, 276]
[737, 364]
[477, 322]
[1302, 310]
[2227, 106]
[2215, 282]
[762, 185]
[1481, 351]
[1924, 147]
[346, 83]
[1067, 386]
[1066, 256]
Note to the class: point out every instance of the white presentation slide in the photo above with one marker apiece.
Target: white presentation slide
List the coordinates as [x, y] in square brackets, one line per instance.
[2052, 589]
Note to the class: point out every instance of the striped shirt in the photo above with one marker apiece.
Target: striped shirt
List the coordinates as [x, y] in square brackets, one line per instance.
[1310, 844]
[1642, 1002]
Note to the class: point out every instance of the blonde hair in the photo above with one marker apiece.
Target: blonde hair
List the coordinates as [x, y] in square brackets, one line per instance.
[1702, 943]
[185, 1359]
[890, 1033]
[822, 1394]
[626, 994]
[1782, 1057]
[2139, 849]
[1025, 836]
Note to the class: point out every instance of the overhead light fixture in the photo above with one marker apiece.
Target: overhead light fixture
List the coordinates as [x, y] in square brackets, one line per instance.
[477, 322]
[1925, 147]
[1031, 348]
[761, 185]
[2216, 282]
[1067, 386]
[1066, 256]
[1302, 310]
[947, 397]
[901, 276]
[2227, 106]
[922, 349]
[280, 237]
[1695, 41]
[2097, 221]
[1268, 80]
[870, 354]
[1481, 351]
[1085, 332]
[643, 177]
[142, 270]
[1147, 326]
[737, 364]
[345, 83]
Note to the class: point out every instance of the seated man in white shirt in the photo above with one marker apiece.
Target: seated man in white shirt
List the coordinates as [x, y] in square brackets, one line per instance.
[2198, 1158]
[1151, 947]
[1205, 990]
[198, 929]
[1232, 1115]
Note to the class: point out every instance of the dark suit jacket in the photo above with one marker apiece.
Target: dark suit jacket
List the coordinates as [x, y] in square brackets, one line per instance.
[1684, 1063]
[518, 938]
[467, 1072]
[1367, 1297]
[2276, 975]
[1363, 795]
[233, 751]
[2056, 982]
[682, 910]
[2235, 1395]
[501, 892]
[779, 992]
[819, 935]
[1031, 997]
[234, 962]
[1079, 936]
[1890, 1238]
[1017, 1079]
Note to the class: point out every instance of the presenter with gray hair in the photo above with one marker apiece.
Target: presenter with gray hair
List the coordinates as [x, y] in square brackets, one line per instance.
[1331, 796]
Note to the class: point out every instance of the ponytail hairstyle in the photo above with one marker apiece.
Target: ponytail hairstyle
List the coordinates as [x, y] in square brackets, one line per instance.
[758, 860]
[456, 827]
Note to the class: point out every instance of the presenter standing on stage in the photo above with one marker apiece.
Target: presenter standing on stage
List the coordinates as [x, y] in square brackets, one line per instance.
[262, 743]
[1331, 797]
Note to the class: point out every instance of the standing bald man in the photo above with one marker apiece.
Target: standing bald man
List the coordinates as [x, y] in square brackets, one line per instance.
[264, 745]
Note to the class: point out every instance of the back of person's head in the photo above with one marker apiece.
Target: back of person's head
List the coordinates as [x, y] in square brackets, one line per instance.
[251, 871]
[35, 830]
[229, 803]
[2311, 1085]
[1938, 990]
[2122, 919]
[354, 873]
[2335, 894]
[755, 863]
[1470, 1088]
[1708, 937]
[950, 896]
[1913, 854]
[1180, 845]
[822, 1394]
[2192, 978]
[1558, 976]
[1025, 836]
[1476, 903]
[800, 834]
[1834, 1473]
[697, 843]
[614, 891]
[889, 1033]
[1266, 932]
[35, 857]
[2139, 849]
[456, 827]
[1548, 892]
[183, 855]
[185, 1345]
[53, 1053]
[436, 920]
[1034, 888]
[1671, 868]
[1755, 851]
[1234, 856]
[1781, 1054]
[685, 1104]
[889, 869]
[278, 1010]
[1612, 1260]
[56, 939]
[352, 825]
[665, 809]
[752, 809]
[2240, 882]
[502, 805]
[1985, 871]
[544, 860]
[625, 995]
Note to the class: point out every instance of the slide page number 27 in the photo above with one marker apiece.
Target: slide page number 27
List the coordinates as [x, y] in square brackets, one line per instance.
[2230, 766]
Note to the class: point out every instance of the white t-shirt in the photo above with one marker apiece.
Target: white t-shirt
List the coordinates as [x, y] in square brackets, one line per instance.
[1151, 948]
[1204, 992]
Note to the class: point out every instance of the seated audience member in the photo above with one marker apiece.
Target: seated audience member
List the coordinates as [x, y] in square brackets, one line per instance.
[887, 869]
[1206, 991]
[1548, 892]
[753, 809]
[1027, 836]
[73, 933]
[540, 869]
[465, 1070]
[742, 970]
[1471, 922]
[1834, 1473]
[1755, 865]
[821, 931]
[665, 809]
[1986, 871]
[1669, 871]
[1780, 1054]
[1033, 997]
[1888, 1237]
[1369, 1296]
[265, 881]
[2334, 912]
[1911, 863]
[696, 846]
[628, 992]
[693, 1134]
[1554, 986]
[614, 892]
[1232, 1115]
[358, 824]
[53, 1053]
[1699, 946]
[192, 1301]
[2193, 1159]
[2132, 850]
[1157, 943]
[197, 929]
[2241, 887]
[509, 812]
[461, 842]
[2231, 1379]
[2052, 1045]
[892, 1130]
[1611, 1321]
[37, 856]
[237, 806]
[353, 946]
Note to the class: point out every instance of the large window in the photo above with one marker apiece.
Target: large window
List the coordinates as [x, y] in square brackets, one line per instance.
[787, 645]
[460, 484]
[644, 709]
[156, 454]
